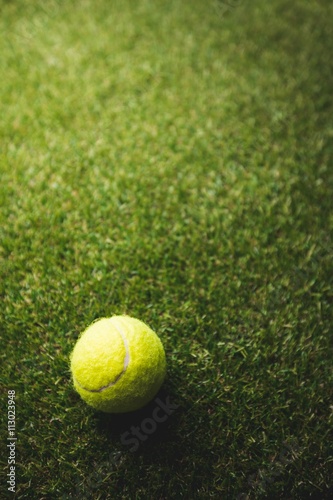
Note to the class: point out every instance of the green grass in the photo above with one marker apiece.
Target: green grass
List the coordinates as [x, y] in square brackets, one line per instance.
[172, 161]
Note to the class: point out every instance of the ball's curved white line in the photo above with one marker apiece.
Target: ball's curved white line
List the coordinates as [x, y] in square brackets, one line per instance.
[126, 362]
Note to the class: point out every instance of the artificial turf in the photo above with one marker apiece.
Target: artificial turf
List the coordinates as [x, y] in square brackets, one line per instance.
[171, 161]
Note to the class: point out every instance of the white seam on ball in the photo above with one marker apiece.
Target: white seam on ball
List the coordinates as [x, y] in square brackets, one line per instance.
[126, 362]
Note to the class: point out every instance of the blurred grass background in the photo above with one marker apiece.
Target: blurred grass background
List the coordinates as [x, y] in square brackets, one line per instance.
[171, 161]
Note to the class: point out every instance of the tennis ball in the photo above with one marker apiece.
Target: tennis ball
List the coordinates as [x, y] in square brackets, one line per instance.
[118, 364]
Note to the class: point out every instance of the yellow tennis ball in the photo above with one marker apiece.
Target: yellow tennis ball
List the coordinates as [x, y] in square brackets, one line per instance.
[118, 364]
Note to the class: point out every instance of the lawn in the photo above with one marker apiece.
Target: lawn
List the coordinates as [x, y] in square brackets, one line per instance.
[171, 161]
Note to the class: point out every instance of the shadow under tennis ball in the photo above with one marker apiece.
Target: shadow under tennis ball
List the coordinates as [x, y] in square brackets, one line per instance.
[138, 427]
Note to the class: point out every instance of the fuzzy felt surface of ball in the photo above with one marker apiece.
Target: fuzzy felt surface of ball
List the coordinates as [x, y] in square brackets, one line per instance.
[118, 364]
